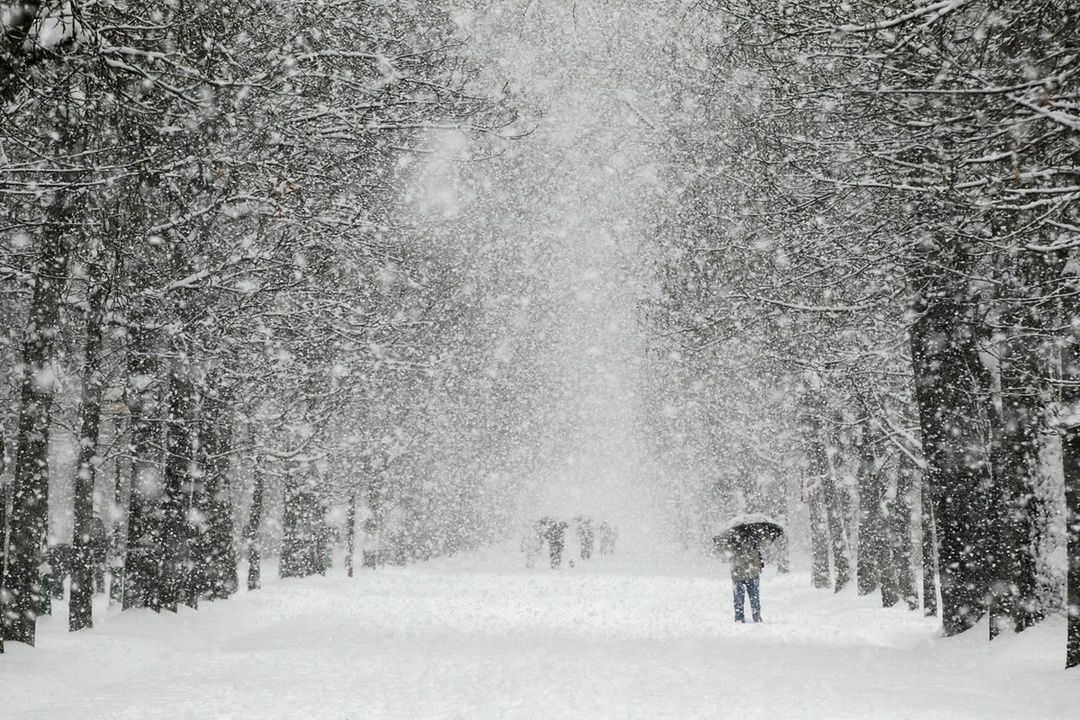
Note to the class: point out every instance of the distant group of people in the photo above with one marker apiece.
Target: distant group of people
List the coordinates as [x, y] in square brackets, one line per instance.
[553, 532]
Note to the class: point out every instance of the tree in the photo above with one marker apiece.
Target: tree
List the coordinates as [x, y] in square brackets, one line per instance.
[1069, 431]
[939, 114]
[83, 549]
[22, 589]
[236, 169]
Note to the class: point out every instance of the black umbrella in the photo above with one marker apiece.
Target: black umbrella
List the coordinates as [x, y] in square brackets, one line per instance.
[748, 530]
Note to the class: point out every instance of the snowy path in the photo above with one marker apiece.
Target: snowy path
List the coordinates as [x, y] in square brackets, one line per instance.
[480, 637]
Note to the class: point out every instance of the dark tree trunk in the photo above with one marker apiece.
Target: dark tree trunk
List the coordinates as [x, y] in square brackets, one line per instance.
[5, 498]
[890, 595]
[827, 523]
[292, 541]
[1070, 463]
[837, 532]
[783, 554]
[871, 528]
[948, 379]
[878, 543]
[215, 548]
[929, 551]
[1070, 451]
[16, 48]
[178, 489]
[302, 541]
[118, 549]
[199, 569]
[85, 543]
[819, 541]
[21, 591]
[900, 521]
[1015, 458]
[350, 535]
[142, 560]
[874, 534]
[251, 530]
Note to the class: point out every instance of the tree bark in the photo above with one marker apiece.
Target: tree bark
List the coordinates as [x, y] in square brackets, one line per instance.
[827, 525]
[175, 535]
[80, 609]
[251, 531]
[871, 540]
[142, 562]
[1070, 462]
[929, 551]
[837, 532]
[15, 50]
[874, 511]
[350, 535]
[1070, 452]
[118, 537]
[947, 374]
[21, 591]
[216, 547]
[5, 499]
[1015, 457]
[819, 541]
[900, 520]
[302, 530]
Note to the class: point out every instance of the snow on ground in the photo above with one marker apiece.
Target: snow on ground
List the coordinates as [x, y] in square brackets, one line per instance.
[479, 636]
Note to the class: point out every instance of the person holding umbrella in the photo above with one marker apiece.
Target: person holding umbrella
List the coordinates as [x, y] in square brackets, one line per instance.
[740, 543]
[746, 563]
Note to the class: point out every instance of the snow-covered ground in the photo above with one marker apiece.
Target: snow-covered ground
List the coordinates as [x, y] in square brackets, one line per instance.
[478, 636]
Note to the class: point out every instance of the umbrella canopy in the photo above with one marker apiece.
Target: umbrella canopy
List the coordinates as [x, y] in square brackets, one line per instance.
[748, 529]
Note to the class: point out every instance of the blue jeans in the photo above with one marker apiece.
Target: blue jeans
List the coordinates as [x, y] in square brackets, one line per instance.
[752, 588]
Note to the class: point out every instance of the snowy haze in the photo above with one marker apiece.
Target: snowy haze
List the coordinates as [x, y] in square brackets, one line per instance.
[549, 222]
[573, 192]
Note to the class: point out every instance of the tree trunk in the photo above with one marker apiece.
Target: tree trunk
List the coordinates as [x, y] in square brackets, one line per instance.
[350, 535]
[819, 527]
[837, 532]
[819, 541]
[948, 377]
[178, 489]
[890, 594]
[80, 610]
[900, 520]
[868, 569]
[929, 551]
[142, 560]
[21, 591]
[216, 549]
[827, 523]
[1070, 462]
[5, 499]
[16, 47]
[302, 530]
[873, 507]
[118, 550]
[291, 562]
[1015, 457]
[1070, 452]
[251, 531]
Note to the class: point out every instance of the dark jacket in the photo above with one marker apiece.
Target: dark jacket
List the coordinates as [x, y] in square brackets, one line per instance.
[745, 563]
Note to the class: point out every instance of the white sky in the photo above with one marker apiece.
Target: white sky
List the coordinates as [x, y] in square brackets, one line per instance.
[585, 72]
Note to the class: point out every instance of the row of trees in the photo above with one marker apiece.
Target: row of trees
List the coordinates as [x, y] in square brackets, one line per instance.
[208, 285]
[869, 256]
[884, 224]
